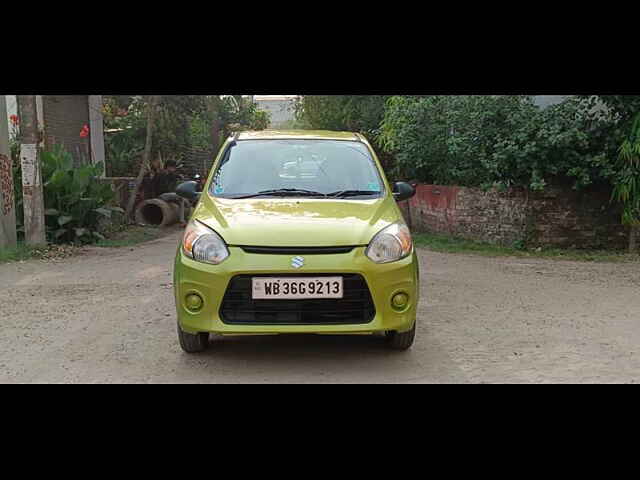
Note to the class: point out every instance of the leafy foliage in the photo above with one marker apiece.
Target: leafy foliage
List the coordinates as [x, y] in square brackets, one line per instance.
[125, 134]
[354, 113]
[123, 150]
[627, 180]
[182, 122]
[171, 134]
[229, 114]
[502, 141]
[243, 114]
[125, 122]
[74, 198]
[622, 107]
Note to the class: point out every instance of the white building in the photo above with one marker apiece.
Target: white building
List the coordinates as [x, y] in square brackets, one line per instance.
[279, 107]
[548, 100]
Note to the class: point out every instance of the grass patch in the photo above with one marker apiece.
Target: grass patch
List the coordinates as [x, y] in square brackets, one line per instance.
[133, 235]
[16, 254]
[447, 244]
[127, 237]
[45, 252]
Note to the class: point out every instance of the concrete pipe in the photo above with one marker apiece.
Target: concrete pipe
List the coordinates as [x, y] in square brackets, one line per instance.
[157, 212]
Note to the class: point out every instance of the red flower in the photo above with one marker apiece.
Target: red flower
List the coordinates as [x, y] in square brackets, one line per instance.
[84, 132]
[14, 119]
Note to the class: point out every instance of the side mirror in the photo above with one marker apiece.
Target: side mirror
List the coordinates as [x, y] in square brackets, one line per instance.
[188, 190]
[403, 191]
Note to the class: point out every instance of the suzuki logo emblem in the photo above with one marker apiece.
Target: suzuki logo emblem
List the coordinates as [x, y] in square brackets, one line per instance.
[297, 262]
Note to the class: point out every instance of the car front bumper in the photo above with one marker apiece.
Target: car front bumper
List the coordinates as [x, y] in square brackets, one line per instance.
[211, 282]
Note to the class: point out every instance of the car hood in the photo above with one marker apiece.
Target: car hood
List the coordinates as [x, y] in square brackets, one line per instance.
[296, 222]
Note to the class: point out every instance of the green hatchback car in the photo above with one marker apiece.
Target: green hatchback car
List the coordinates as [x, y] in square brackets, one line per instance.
[296, 232]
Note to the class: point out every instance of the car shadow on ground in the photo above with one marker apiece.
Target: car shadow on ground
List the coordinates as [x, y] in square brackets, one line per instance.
[308, 358]
[299, 343]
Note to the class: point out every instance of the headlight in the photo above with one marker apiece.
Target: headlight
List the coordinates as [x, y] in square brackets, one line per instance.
[203, 244]
[390, 244]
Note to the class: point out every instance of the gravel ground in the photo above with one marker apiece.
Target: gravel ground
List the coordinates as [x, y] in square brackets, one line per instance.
[108, 316]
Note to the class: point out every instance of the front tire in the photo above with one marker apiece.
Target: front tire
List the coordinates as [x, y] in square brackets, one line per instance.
[191, 343]
[401, 340]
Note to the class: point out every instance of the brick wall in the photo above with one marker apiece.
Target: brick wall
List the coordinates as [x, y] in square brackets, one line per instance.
[569, 218]
[553, 218]
[64, 116]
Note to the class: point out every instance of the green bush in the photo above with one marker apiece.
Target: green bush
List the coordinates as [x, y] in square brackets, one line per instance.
[125, 137]
[127, 116]
[230, 116]
[626, 189]
[351, 113]
[75, 200]
[124, 152]
[182, 122]
[501, 141]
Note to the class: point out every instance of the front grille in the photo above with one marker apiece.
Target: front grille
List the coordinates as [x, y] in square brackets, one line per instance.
[238, 308]
[297, 250]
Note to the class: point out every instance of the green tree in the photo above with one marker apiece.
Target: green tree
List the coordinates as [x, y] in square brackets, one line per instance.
[626, 189]
[623, 107]
[224, 115]
[127, 115]
[181, 122]
[354, 113]
[502, 141]
[624, 134]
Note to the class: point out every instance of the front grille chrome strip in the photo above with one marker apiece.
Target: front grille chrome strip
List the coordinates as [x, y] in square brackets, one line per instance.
[297, 250]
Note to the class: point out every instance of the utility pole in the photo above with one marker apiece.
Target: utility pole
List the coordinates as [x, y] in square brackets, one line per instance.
[32, 195]
[7, 202]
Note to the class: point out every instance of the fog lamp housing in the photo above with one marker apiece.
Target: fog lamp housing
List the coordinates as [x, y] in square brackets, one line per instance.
[194, 302]
[400, 301]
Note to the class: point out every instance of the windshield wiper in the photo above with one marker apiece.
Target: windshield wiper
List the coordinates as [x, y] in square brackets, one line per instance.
[283, 192]
[352, 193]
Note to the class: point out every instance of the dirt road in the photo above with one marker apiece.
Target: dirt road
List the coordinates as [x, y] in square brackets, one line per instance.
[108, 316]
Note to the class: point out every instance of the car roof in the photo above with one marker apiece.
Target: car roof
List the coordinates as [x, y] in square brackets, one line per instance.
[297, 134]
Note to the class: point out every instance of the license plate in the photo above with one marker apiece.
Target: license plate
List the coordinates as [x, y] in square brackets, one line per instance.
[289, 288]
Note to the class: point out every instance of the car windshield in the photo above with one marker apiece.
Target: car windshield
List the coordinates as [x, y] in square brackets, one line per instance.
[297, 168]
